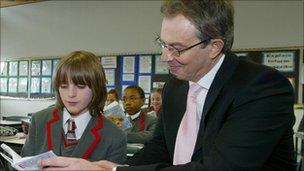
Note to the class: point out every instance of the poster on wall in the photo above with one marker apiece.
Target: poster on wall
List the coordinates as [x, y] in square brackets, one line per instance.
[46, 83]
[129, 64]
[147, 97]
[128, 77]
[160, 67]
[22, 86]
[55, 62]
[35, 85]
[145, 63]
[158, 84]
[123, 88]
[3, 68]
[23, 68]
[46, 67]
[144, 81]
[282, 61]
[35, 68]
[3, 83]
[109, 61]
[12, 85]
[110, 76]
[13, 68]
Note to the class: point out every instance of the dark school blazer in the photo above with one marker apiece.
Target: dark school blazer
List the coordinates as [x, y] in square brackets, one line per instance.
[101, 140]
[143, 129]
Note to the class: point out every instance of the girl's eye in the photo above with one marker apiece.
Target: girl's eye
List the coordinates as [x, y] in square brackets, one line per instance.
[63, 86]
[81, 86]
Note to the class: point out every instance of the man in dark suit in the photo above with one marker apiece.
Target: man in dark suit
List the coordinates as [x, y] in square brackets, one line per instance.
[244, 111]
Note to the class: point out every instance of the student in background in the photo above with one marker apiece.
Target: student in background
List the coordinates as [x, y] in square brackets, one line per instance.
[155, 101]
[75, 126]
[112, 96]
[143, 125]
[114, 111]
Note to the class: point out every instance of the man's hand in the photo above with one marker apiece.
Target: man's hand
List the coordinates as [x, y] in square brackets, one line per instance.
[67, 163]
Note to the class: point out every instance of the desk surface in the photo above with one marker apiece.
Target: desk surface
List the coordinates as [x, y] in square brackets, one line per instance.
[12, 140]
[7, 123]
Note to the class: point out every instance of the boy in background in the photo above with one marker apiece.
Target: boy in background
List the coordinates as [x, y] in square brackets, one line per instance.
[143, 125]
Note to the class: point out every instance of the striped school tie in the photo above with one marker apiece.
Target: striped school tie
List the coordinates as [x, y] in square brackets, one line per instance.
[71, 136]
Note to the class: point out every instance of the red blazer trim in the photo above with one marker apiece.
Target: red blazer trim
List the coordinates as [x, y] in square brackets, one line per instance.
[142, 122]
[94, 131]
[48, 128]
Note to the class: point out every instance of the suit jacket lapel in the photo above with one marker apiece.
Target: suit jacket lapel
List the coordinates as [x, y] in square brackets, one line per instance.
[177, 99]
[54, 131]
[89, 139]
[223, 75]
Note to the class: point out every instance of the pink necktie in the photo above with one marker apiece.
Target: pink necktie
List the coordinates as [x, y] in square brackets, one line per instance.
[187, 132]
[71, 136]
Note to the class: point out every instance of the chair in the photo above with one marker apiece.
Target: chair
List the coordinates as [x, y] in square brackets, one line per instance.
[299, 150]
[1, 165]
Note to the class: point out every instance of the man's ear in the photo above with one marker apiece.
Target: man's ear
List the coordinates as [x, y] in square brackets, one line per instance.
[216, 46]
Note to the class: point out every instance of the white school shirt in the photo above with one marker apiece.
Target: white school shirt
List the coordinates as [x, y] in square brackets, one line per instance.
[81, 122]
[134, 116]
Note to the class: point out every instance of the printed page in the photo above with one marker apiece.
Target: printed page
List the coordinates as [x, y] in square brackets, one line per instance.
[25, 163]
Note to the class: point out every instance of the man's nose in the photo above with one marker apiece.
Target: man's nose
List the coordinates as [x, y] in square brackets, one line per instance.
[166, 55]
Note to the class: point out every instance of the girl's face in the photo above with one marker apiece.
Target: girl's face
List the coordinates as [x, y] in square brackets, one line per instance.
[75, 98]
[110, 98]
[156, 100]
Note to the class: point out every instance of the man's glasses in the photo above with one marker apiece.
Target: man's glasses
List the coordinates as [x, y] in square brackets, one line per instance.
[173, 50]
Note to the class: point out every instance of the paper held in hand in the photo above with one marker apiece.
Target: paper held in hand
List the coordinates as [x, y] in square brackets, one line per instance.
[25, 163]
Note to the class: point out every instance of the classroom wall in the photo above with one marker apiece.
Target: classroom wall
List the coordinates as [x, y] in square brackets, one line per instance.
[54, 28]
[21, 107]
[260, 24]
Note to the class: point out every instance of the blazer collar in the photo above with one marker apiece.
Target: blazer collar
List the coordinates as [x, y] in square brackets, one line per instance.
[85, 145]
[90, 138]
[54, 129]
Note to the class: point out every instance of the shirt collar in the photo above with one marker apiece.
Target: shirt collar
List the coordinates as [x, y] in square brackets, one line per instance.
[207, 79]
[81, 121]
[134, 116]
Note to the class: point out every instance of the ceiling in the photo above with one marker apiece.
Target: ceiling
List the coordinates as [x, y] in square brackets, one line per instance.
[9, 3]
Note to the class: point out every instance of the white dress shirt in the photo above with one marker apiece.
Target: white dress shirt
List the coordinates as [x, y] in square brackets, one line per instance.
[81, 122]
[205, 82]
[134, 116]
